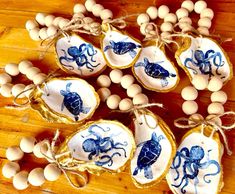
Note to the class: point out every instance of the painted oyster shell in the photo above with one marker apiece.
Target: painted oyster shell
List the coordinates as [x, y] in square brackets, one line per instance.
[155, 150]
[204, 56]
[197, 167]
[99, 146]
[77, 56]
[65, 100]
[120, 50]
[154, 70]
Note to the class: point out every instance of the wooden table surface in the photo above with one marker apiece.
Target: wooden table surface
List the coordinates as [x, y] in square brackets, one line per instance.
[15, 45]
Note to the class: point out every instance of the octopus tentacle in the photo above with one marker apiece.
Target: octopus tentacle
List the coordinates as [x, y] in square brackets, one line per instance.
[206, 165]
[66, 58]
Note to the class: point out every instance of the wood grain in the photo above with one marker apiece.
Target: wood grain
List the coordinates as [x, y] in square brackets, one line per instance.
[16, 45]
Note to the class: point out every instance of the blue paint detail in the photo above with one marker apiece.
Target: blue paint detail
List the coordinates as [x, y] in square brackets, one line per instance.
[191, 166]
[121, 48]
[102, 145]
[155, 70]
[204, 62]
[73, 102]
[148, 155]
[81, 55]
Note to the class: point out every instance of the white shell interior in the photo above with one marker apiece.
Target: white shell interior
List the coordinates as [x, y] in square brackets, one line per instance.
[112, 130]
[71, 65]
[55, 100]
[205, 44]
[207, 144]
[155, 55]
[143, 133]
[116, 60]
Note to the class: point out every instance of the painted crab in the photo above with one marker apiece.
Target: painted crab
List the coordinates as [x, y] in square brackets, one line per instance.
[148, 155]
[99, 145]
[82, 55]
[191, 166]
[121, 48]
[73, 102]
[204, 62]
[155, 70]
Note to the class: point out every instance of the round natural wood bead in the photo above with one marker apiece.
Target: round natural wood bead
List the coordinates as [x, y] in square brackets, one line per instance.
[79, 8]
[189, 107]
[104, 93]
[12, 69]
[96, 9]
[219, 96]
[203, 31]
[31, 24]
[5, 78]
[140, 99]
[43, 33]
[163, 10]
[170, 17]
[39, 78]
[207, 13]
[204, 22]
[215, 108]
[31, 72]
[51, 30]
[49, 20]
[20, 180]
[166, 27]
[186, 20]
[125, 104]
[166, 35]
[63, 23]
[142, 18]
[215, 84]
[127, 80]
[182, 12]
[189, 5]
[187, 28]
[106, 14]
[6, 90]
[14, 153]
[89, 4]
[214, 119]
[17, 89]
[113, 101]
[199, 6]
[116, 76]
[40, 18]
[56, 21]
[152, 12]
[200, 82]
[27, 144]
[28, 89]
[34, 34]
[36, 177]
[52, 172]
[189, 93]
[133, 90]
[40, 148]
[195, 118]
[24, 66]
[103, 81]
[145, 28]
[10, 169]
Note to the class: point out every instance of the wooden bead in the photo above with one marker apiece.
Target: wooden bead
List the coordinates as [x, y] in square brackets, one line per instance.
[63, 23]
[183, 25]
[189, 93]
[28, 89]
[133, 90]
[20, 180]
[31, 72]
[186, 20]
[166, 27]
[14, 153]
[116, 76]
[36, 177]
[170, 17]
[215, 108]
[189, 107]
[89, 4]
[31, 24]
[17, 89]
[51, 30]
[142, 18]
[127, 80]
[40, 18]
[113, 101]
[187, 28]
[140, 99]
[204, 22]
[39, 149]
[56, 21]
[152, 12]
[145, 28]
[79, 8]
[6, 90]
[96, 9]
[215, 84]
[39, 78]
[182, 12]
[43, 33]
[200, 82]
[10, 169]
[207, 13]
[104, 93]
[219, 96]
[195, 118]
[24, 66]
[87, 21]
[12, 69]
[203, 31]
[103, 81]
[5, 78]
[214, 119]
[200, 6]
[125, 104]
[106, 14]
[49, 20]
[166, 35]
[34, 34]
[189, 5]
[27, 144]
[52, 172]
[163, 10]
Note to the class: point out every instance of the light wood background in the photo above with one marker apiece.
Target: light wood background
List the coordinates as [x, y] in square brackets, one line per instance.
[16, 45]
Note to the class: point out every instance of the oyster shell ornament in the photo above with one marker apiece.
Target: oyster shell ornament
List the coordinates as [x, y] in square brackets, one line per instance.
[98, 146]
[155, 150]
[120, 50]
[202, 55]
[65, 100]
[154, 70]
[78, 56]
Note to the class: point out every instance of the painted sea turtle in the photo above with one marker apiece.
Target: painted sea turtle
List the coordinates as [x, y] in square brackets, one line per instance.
[121, 48]
[154, 70]
[73, 102]
[148, 155]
